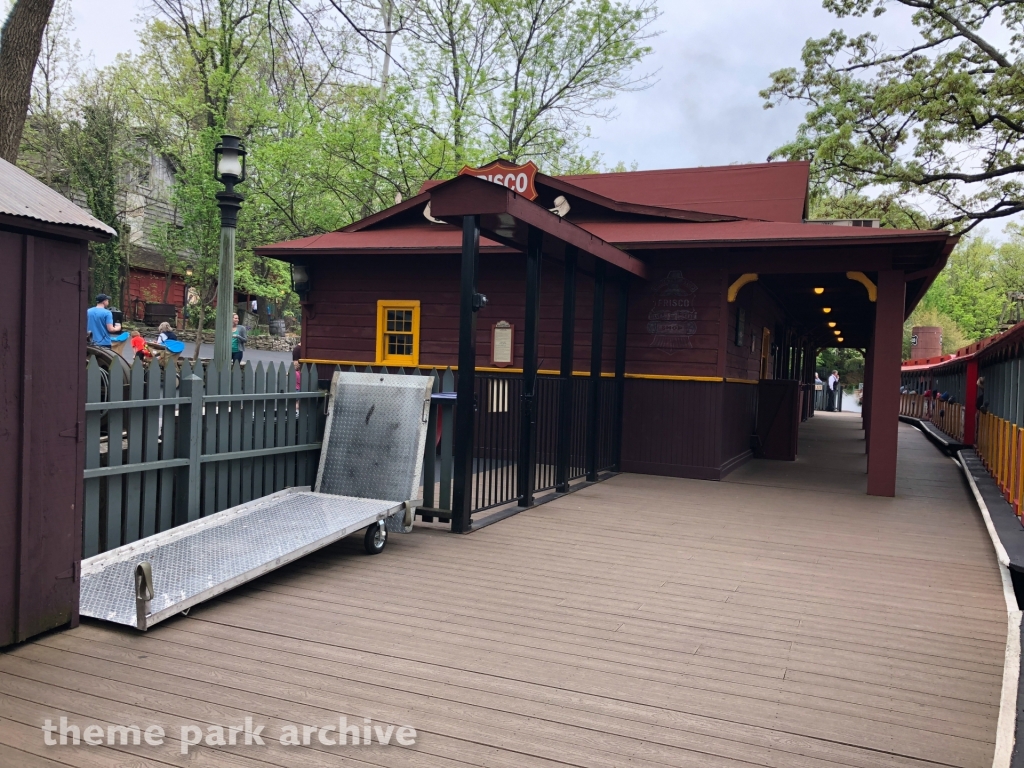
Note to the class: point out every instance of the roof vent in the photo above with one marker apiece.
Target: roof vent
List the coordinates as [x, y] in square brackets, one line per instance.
[873, 223]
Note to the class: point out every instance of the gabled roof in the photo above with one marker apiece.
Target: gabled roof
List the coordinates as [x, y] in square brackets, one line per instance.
[28, 202]
[766, 191]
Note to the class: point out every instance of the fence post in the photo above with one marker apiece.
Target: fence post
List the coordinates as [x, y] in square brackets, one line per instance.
[190, 444]
[430, 452]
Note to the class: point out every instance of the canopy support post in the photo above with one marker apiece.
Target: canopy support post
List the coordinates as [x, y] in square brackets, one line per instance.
[885, 384]
[528, 413]
[621, 325]
[596, 345]
[465, 405]
[565, 370]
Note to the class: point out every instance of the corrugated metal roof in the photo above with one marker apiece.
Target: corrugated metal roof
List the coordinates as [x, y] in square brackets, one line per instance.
[22, 195]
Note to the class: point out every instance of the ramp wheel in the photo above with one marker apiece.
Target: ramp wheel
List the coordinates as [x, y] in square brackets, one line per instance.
[375, 539]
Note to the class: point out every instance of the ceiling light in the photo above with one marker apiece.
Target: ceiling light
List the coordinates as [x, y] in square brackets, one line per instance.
[837, 332]
[831, 324]
[819, 291]
[826, 310]
[840, 338]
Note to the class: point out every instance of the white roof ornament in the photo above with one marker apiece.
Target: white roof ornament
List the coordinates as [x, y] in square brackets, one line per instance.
[561, 206]
[428, 217]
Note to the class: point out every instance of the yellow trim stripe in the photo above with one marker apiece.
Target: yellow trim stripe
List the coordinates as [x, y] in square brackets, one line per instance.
[483, 369]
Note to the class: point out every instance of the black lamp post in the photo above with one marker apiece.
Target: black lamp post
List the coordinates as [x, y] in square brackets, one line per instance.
[229, 170]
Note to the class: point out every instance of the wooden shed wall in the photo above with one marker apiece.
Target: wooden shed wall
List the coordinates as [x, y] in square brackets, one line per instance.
[42, 377]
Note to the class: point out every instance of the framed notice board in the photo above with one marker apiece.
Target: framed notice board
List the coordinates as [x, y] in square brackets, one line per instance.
[502, 344]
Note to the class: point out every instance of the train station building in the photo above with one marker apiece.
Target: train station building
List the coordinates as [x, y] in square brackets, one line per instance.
[701, 295]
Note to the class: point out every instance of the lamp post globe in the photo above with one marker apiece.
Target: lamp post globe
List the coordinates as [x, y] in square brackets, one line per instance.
[229, 169]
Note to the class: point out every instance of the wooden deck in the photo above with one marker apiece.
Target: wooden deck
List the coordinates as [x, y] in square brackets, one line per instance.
[780, 618]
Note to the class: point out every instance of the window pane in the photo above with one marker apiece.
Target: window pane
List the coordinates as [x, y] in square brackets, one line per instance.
[399, 344]
[399, 320]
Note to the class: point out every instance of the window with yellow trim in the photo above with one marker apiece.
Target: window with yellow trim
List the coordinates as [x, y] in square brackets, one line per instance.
[398, 332]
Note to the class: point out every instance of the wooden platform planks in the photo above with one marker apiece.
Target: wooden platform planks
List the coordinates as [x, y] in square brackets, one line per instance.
[645, 621]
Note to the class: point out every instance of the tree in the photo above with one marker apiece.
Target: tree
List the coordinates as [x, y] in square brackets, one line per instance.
[20, 40]
[102, 160]
[940, 122]
[56, 70]
[562, 60]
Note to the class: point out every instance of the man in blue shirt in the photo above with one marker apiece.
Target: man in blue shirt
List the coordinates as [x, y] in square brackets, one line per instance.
[100, 321]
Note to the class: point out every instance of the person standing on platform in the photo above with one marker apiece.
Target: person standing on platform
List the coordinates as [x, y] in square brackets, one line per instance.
[100, 321]
[239, 335]
[833, 390]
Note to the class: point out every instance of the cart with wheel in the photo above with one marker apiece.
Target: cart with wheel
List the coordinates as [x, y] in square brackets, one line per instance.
[368, 478]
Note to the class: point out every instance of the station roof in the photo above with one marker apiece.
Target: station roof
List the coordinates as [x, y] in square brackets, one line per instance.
[766, 191]
[747, 218]
[27, 203]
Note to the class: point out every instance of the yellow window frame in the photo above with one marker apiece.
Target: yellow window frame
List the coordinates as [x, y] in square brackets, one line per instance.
[383, 358]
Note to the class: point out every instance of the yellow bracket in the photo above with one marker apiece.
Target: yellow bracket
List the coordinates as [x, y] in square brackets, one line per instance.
[864, 280]
[742, 280]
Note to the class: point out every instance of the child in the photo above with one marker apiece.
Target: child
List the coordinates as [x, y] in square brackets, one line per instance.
[166, 333]
[139, 345]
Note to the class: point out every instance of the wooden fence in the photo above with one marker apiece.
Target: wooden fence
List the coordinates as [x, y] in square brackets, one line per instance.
[193, 441]
[1001, 448]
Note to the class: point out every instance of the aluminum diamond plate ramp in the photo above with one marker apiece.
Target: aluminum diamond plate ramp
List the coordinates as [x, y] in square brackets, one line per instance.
[369, 471]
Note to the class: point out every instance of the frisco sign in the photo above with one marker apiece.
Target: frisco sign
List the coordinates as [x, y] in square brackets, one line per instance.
[518, 178]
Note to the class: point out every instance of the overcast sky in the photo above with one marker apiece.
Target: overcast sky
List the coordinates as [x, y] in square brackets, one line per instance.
[711, 58]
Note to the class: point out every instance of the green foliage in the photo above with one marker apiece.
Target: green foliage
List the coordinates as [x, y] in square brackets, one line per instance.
[939, 123]
[849, 363]
[343, 107]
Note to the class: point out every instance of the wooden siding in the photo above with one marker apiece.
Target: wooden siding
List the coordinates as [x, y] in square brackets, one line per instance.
[147, 286]
[744, 362]
[42, 376]
[672, 428]
[345, 294]
[784, 619]
[346, 290]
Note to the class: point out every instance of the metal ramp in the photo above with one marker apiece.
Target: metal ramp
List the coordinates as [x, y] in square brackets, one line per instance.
[369, 473]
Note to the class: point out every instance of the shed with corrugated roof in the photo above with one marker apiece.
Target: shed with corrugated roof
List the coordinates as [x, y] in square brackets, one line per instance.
[44, 255]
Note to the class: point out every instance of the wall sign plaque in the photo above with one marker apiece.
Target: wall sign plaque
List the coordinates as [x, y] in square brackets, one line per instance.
[502, 344]
[518, 178]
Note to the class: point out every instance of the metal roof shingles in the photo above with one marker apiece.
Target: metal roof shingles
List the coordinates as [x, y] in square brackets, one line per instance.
[22, 195]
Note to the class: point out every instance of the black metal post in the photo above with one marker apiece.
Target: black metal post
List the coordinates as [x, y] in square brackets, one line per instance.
[565, 371]
[465, 406]
[528, 412]
[622, 322]
[596, 344]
